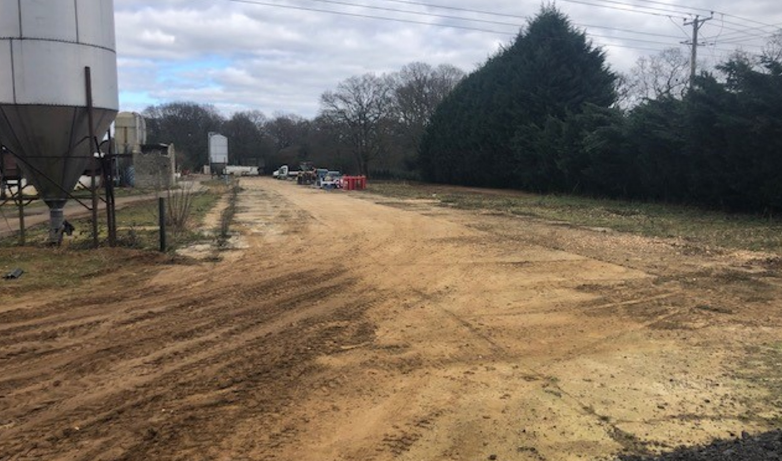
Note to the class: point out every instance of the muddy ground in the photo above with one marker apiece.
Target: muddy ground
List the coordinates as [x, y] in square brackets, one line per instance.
[346, 326]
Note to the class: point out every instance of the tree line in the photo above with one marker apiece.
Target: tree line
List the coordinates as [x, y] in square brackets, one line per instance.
[370, 124]
[544, 114]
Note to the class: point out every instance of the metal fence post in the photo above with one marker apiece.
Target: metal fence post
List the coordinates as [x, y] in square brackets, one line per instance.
[162, 220]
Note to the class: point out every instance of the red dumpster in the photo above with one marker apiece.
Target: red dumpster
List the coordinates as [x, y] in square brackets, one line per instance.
[354, 182]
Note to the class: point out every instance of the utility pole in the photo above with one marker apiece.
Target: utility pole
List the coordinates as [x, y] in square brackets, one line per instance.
[696, 24]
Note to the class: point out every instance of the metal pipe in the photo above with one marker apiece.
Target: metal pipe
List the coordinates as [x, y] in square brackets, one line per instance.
[56, 218]
[93, 184]
[108, 181]
[22, 236]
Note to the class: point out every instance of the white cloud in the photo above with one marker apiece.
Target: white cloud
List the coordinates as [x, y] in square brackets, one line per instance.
[239, 55]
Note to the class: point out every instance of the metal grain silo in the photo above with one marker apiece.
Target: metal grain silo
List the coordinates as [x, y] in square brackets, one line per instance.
[218, 153]
[47, 48]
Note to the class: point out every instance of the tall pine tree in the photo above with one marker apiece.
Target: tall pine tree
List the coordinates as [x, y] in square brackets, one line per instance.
[503, 124]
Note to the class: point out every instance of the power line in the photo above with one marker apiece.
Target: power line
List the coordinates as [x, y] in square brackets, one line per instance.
[631, 8]
[741, 33]
[741, 36]
[476, 29]
[367, 16]
[629, 47]
[491, 13]
[417, 13]
[680, 27]
[651, 34]
[762, 24]
[737, 36]
[456, 8]
[654, 2]
[679, 9]
[461, 18]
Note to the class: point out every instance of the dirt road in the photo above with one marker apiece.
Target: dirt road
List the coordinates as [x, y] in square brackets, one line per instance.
[345, 326]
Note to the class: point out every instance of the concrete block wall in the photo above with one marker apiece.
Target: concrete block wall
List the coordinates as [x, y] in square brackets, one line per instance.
[155, 166]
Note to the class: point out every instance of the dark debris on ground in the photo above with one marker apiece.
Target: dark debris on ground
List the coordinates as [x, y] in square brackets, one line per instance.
[761, 447]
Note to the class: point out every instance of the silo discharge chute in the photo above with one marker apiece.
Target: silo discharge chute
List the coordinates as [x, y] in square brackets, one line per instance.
[47, 48]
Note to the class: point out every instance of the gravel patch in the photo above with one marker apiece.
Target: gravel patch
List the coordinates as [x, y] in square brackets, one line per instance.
[762, 447]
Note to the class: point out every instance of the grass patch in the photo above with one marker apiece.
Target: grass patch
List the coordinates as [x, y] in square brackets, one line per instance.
[137, 225]
[227, 216]
[709, 228]
[67, 268]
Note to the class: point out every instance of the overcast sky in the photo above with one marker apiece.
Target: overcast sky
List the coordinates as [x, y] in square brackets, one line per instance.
[279, 56]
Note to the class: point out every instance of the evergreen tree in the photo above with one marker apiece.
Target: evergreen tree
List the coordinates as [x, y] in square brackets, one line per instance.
[501, 122]
[736, 135]
[610, 169]
[656, 138]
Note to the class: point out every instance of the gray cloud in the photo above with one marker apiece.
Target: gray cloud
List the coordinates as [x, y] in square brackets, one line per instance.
[240, 56]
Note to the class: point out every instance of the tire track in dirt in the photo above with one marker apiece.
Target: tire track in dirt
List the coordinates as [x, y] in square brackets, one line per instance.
[638, 312]
[338, 329]
[239, 329]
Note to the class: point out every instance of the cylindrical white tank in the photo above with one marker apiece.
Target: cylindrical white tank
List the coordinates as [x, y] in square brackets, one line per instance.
[218, 148]
[130, 132]
[45, 47]
[218, 153]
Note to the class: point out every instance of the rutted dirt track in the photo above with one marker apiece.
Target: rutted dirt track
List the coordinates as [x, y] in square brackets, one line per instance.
[346, 326]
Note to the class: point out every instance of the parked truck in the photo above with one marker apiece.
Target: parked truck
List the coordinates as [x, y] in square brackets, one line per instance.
[284, 172]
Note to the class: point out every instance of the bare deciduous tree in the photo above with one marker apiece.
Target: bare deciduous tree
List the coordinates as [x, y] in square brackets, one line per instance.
[361, 109]
[418, 90]
[773, 49]
[286, 130]
[664, 74]
[249, 147]
[185, 124]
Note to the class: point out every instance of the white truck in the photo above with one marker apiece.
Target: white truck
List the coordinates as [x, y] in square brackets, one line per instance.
[281, 172]
[284, 172]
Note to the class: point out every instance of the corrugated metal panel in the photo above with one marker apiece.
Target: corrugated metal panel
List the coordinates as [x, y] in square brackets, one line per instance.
[9, 19]
[49, 19]
[6, 72]
[52, 73]
[51, 140]
[96, 23]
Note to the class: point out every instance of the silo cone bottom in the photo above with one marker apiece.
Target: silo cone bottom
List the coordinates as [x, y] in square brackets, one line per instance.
[56, 219]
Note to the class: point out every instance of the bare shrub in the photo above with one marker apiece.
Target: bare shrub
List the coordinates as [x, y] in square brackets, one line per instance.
[178, 207]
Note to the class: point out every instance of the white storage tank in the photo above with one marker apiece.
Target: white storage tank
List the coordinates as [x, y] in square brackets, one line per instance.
[218, 153]
[45, 48]
[130, 132]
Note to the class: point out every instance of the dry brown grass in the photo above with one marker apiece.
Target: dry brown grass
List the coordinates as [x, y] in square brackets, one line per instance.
[704, 227]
